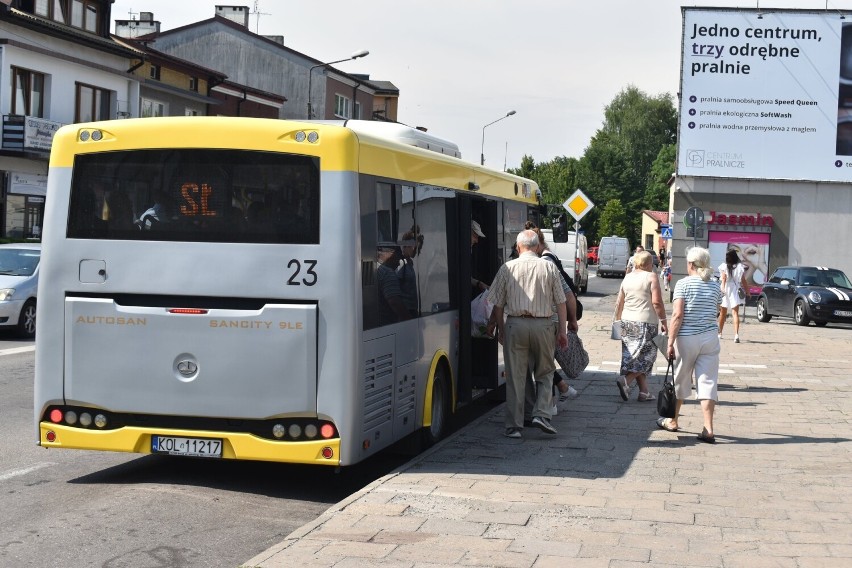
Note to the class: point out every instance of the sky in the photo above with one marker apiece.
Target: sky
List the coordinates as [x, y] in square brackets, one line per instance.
[462, 64]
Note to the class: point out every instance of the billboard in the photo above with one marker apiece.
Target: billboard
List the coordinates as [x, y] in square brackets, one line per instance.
[766, 95]
[751, 248]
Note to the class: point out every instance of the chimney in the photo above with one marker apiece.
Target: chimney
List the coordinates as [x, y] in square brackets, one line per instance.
[146, 24]
[237, 14]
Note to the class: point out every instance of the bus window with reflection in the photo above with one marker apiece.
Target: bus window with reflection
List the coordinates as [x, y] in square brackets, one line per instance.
[196, 195]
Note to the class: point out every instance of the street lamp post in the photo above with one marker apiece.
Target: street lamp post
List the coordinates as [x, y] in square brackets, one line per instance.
[482, 153]
[356, 55]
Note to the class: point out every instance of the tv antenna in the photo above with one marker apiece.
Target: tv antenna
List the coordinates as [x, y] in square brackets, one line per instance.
[257, 14]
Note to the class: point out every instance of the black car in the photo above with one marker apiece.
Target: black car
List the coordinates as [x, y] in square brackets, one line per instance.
[806, 293]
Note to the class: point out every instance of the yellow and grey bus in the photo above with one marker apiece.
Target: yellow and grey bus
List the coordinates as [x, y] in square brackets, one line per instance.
[261, 289]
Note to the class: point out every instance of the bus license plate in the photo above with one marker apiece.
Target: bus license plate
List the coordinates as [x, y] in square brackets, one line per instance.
[843, 313]
[196, 447]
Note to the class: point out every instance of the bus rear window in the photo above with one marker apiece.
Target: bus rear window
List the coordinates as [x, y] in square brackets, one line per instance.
[193, 195]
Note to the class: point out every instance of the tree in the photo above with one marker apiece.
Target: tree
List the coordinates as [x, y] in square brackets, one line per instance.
[556, 179]
[613, 219]
[657, 190]
[618, 164]
[642, 125]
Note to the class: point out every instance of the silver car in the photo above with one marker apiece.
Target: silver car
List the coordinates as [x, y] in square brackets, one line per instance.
[18, 285]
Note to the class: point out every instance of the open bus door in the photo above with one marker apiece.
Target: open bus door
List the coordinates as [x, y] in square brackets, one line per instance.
[477, 355]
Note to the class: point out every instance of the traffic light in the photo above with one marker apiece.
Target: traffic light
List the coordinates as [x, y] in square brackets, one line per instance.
[560, 228]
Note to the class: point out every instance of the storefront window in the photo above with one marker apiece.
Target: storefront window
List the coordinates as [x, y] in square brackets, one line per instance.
[23, 216]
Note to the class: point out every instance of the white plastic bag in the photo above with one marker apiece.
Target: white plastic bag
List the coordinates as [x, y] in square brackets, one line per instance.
[480, 312]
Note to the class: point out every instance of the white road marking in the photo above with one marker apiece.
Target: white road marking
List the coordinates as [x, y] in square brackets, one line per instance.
[662, 370]
[742, 365]
[16, 350]
[18, 472]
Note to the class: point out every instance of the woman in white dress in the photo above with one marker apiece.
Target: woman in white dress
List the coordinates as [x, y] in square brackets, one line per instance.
[733, 280]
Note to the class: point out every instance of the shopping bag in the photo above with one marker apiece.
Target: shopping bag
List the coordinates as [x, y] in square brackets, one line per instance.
[662, 343]
[480, 312]
[574, 358]
[667, 400]
[616, 330]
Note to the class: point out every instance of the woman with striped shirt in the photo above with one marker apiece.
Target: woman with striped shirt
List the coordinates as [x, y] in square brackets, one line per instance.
[694, 339]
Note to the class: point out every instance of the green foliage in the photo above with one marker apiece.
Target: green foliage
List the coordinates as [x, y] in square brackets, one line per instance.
[624, 162]
[613, 219]
[657, 190]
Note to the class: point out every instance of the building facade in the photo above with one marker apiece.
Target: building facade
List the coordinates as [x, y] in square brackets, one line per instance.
[224, 42]
[56, 67]
[763, 164]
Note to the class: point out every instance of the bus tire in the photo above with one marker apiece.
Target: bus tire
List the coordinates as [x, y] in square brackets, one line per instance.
[437, 430]
[27, 320]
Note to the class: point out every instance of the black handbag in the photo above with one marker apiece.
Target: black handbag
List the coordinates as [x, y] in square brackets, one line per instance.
[667, 400]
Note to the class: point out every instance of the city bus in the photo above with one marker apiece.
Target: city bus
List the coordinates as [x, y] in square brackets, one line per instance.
[257, 289]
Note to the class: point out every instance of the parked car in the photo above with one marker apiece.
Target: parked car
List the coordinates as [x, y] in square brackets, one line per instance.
[566, 251]
[18, 286]
[806, 293]
[613, 254]
[593, 255]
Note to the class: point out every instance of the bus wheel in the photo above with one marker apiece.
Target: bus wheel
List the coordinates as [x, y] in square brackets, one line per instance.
[27, 320]
[440, 408]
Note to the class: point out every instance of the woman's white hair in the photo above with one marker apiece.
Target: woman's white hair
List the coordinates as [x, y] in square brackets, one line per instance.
[700, 259]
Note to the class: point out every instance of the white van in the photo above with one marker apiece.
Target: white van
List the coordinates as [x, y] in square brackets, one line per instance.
[578, 269]
[613, 254]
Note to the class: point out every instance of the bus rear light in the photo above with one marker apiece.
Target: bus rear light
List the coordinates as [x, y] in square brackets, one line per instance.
[85, 419]
[366, 444]
[294, 430]
[300, 136]
[327, 453]
[56, 416]
[71, 417]
[50, 436]
[97, 135]
[191, 311]
[313, 137]
[279, 431]
[310, 431]
[327, 431]
[100, 420]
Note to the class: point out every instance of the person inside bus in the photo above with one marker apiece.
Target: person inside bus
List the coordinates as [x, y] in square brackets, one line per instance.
[89, 221]
[391, 301]
[476, 234]
[120, 211]
[411, 244]
[162, 211]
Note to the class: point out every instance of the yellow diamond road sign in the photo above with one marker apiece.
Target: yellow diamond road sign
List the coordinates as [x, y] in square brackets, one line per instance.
[578, 204]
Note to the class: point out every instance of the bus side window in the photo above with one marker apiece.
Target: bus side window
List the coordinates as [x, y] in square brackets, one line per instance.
[434, 208]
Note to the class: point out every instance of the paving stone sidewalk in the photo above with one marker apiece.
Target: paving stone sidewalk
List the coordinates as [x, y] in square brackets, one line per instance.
[611, 489]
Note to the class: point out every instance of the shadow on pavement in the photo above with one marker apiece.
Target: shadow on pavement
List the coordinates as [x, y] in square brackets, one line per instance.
[284, 481]
[782, 439]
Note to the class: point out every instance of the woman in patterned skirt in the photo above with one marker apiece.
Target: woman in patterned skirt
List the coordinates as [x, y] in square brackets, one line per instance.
[640, 308]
